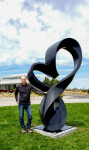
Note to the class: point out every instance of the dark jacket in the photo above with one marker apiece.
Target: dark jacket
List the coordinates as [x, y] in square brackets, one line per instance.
[24, 93]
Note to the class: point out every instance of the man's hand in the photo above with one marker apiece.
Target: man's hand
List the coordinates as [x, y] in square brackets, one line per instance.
[45, 92]
[17, 102]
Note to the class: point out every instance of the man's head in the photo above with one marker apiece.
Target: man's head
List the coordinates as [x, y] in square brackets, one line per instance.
[23, 80]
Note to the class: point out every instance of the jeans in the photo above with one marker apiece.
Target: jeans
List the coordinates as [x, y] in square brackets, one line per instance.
[21, 115]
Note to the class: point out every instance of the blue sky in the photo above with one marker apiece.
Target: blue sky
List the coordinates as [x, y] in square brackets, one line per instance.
[28, 28]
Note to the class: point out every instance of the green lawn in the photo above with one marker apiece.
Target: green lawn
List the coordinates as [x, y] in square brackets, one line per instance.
[11, 137]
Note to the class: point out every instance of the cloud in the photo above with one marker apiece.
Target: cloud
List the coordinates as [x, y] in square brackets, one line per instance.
[28, 29]
[80, 30]
[80, 83]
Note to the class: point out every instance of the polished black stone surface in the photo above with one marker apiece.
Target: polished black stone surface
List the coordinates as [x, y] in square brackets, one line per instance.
[52, 107]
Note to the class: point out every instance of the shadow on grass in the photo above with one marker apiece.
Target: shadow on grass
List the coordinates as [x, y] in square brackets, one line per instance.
[75, 123]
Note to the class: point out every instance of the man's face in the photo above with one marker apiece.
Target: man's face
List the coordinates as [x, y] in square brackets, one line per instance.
[23, 80]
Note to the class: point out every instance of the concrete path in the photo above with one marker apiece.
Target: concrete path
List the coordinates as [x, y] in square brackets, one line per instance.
[10, 101]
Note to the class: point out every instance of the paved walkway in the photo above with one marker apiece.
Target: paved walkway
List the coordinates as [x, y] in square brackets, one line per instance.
[10, 101]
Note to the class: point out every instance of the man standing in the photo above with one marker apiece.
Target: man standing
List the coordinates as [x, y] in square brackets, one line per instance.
[23, 102]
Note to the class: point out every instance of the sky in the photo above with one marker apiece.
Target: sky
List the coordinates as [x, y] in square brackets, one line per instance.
[29, 27]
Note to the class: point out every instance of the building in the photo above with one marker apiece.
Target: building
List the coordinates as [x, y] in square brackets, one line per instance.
[10, 82]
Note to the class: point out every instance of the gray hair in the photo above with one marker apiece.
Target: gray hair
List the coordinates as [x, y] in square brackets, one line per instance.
[22, 77]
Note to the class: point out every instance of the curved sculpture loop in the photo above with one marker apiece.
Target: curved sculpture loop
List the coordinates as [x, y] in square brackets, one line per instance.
[52, 107]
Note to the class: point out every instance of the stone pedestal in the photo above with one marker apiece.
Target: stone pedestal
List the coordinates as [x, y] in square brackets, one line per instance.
[64, 131]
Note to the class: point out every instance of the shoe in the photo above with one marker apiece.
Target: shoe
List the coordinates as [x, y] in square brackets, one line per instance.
[23, 130]
[29, 131]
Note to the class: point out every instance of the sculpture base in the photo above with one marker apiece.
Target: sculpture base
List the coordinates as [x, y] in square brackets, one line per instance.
[64, 131]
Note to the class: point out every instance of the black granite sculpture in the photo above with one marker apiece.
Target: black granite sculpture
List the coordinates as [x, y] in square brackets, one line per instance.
[52, 107]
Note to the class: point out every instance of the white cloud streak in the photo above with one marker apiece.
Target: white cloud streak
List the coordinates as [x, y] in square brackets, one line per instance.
[30, 42]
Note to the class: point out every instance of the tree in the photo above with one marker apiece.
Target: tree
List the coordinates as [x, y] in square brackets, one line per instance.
[88, 91]
[51, 82]
[47, 81]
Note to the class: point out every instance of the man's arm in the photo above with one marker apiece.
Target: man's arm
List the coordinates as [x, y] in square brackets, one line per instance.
[16, 94]
[37, 91]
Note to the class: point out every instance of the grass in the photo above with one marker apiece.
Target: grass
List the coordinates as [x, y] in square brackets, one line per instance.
[8, 94]
[11, 137]
[33, 94]
[74, 92]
